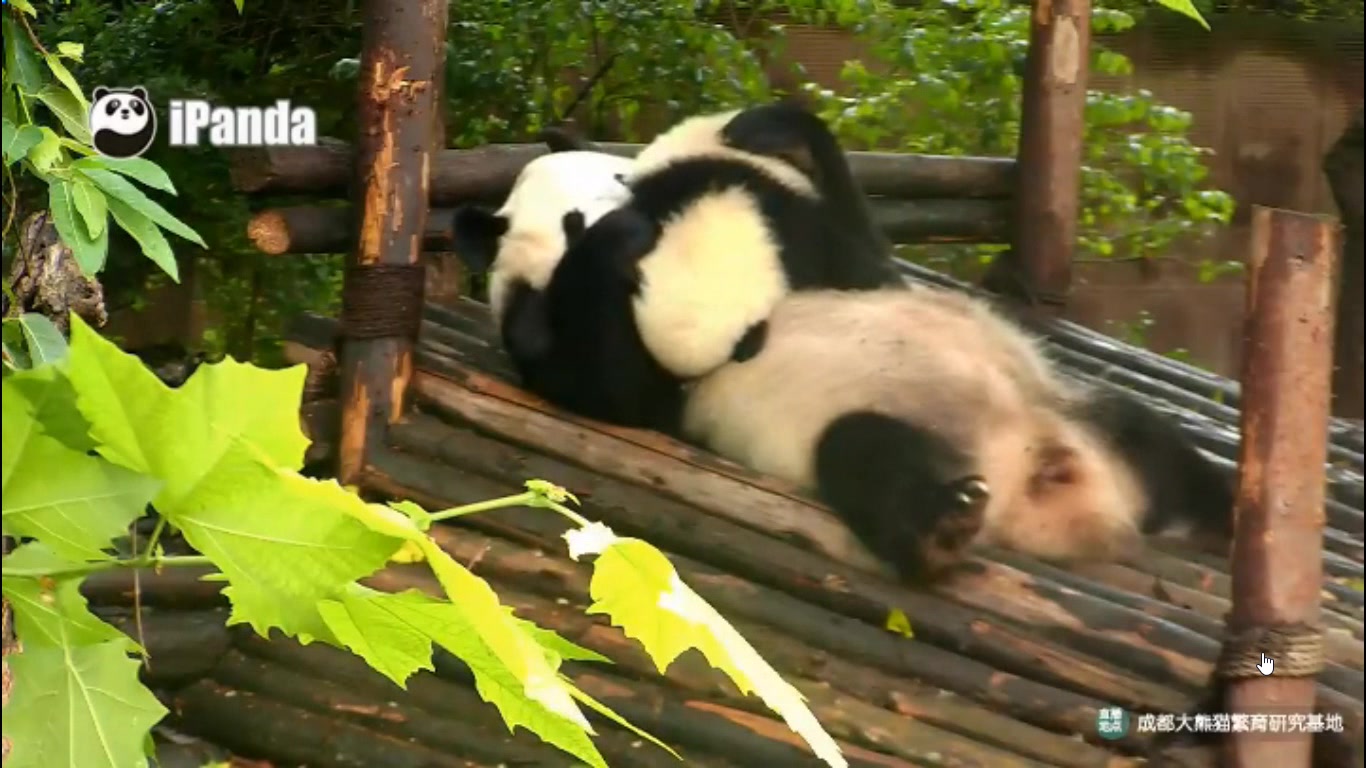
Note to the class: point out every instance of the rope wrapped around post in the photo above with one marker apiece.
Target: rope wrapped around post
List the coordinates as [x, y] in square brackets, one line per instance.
[382, 301]
[1297, 651]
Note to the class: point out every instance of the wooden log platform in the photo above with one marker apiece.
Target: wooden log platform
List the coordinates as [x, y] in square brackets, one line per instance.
[1010, 663]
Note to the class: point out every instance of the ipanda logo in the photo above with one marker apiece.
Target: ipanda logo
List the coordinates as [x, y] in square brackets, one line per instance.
[123, 123]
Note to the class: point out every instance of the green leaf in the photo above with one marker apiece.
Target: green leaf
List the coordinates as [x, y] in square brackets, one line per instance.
[45, 343]
[74, 116]
[89, 252]
[72, 502]
[153, 243]
[21, 60]
[79, 706]
[47, 151]
[64, 77]
[227, 445]
[24, 6]
[238, 3]
[18, 141]
[89, 201]
[412, 621]
[138, 168]
[374, 626]
[12, 345]
[1185, 8]
[51, 613]
[637, 587]
[554, 643]
[118, 187]
[74, 51]
[51, 401]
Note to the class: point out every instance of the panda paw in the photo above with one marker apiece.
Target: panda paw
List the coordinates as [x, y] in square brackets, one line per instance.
[946, 539]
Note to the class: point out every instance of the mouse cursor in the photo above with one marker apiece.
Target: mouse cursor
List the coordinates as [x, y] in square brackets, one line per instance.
[1266, 666]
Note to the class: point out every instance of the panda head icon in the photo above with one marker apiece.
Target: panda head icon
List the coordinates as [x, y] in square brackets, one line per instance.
[122, 121]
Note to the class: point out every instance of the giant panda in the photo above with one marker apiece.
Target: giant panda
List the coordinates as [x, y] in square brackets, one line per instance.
[553, 199]
[929, 423]
[728, 213]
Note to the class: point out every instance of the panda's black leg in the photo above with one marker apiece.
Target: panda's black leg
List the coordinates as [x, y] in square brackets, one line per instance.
[791, 132]
[1181, 485]
[751, 344]
[908, 494]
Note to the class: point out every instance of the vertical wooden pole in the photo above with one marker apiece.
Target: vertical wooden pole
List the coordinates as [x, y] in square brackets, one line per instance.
[1039, 265]
[1278, 544]
[402, 60]
[1343, 167]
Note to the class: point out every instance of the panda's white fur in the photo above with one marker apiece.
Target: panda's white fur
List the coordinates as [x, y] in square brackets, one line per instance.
[546, 189]
[946, 364]
[716, 269]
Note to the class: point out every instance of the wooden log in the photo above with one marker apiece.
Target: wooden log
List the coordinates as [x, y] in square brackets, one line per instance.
[1286, 384]
[182, 588]
[1103, 622]
[1343, 166]
[314, 229]
[464, 725]
[402, 56]
[801, 665]
[436, 712]
[852, 639]
[458, 175]
[253, 725]
[182, 646]
[1038, 266]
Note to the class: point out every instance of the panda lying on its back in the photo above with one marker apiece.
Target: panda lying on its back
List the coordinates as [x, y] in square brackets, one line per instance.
[554, 198]
[727, 214]
[927, 422]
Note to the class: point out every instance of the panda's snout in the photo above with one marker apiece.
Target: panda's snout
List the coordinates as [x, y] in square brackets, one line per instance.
[123, 113]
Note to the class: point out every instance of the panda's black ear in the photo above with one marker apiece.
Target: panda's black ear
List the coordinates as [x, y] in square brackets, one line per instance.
[477, 231]
[99, 93]
[560, 139]
[139, 92]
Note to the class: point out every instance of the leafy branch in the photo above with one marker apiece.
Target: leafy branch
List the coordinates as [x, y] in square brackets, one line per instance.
[91, 438]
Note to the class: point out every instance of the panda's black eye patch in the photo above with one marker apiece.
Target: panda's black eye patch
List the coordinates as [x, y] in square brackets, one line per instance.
[138, 107]
[111, 107]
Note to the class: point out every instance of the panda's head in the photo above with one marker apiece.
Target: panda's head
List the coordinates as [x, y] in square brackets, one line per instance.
[555, 197]
[125, 111]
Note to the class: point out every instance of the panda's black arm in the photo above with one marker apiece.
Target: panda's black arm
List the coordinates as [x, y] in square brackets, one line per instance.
[791, 132]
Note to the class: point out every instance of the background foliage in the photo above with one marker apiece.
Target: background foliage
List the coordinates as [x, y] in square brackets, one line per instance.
[939, 77]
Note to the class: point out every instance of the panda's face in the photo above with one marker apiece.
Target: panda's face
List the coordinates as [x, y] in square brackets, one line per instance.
[123, 112]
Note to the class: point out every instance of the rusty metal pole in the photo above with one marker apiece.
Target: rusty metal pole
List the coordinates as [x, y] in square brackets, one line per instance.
[402, 61]
[1048, 175]
[1278, 544]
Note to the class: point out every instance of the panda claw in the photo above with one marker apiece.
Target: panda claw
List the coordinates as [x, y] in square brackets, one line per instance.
[973, 491]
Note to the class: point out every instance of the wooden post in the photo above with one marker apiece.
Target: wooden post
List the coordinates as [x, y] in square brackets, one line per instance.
[1038, 268]
[1343, 167]
[1277, 550]
[402, 61]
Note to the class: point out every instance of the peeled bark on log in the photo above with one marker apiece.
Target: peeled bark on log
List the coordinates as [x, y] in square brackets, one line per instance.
[313, 229]
[488, 171]
[255, 726]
